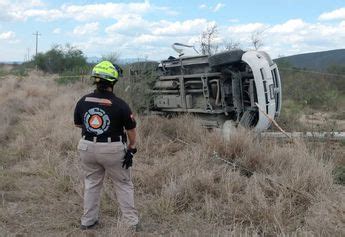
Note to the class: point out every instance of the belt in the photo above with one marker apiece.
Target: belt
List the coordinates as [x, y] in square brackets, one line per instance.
[102, 139]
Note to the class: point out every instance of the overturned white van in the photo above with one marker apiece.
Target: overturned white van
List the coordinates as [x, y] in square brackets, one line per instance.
[220, 88]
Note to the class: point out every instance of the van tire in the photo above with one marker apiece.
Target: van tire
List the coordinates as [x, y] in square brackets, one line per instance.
[248, 119]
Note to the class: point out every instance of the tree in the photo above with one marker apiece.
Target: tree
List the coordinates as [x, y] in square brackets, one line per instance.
[61, 59]
[231, 44]
[112, 57]
[256, 39]
[73, 58]
[208, 45]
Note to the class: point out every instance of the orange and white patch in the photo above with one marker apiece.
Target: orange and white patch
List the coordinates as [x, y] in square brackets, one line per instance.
[99, 100]
[95, 121]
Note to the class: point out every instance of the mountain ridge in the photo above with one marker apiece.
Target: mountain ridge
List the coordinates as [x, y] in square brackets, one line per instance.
[317, 61]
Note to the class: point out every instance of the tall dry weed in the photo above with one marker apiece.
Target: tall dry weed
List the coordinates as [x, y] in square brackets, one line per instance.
[181, 188]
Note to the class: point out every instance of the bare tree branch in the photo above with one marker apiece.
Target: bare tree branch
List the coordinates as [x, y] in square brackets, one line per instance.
[231, 44]
[207, 40]
[256, 39]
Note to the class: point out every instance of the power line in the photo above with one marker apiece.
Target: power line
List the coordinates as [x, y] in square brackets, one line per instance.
[36, 34]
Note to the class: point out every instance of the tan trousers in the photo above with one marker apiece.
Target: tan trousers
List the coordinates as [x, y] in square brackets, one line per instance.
[96, 159]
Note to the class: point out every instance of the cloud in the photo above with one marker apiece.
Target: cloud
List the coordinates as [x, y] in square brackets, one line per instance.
[15, 9]
[35, 3]
[188, 27]
[146, 38]
[129, 24]
[218, 7]
[9, 35]
[57, 31]
[104, 10]
[135, 25]
[291, 37]
[42, 14]
[23, 10]
[338, 14]
[214, 8]
[289, 26]
[88, 28]
[137, 36]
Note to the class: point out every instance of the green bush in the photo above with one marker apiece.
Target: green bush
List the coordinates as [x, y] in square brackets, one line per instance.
[61, 59]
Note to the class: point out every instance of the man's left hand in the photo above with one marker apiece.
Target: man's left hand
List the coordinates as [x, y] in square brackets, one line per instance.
[128, 160]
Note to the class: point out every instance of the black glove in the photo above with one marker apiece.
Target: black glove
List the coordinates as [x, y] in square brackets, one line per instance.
[128, 160]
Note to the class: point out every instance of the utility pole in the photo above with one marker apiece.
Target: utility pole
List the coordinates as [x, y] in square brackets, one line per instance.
[36, 34]
[28, 54]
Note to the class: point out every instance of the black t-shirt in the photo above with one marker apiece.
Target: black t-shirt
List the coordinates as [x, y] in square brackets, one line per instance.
[102, 114]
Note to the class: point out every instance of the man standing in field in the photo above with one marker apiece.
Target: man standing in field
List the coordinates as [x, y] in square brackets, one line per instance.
[103, 117]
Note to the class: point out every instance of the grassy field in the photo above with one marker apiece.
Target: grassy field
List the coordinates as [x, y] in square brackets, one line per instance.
[181, 189]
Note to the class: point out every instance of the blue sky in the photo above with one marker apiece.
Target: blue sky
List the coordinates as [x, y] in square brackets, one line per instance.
[137, 29]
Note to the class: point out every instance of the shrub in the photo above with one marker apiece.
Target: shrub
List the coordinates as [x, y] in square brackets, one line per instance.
[318, 91]
[60, 59]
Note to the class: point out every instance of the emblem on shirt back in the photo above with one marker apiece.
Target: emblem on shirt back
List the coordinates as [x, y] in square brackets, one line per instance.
[96, 121]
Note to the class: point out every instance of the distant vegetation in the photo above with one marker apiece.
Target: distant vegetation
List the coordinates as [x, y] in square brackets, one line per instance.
[318, 61]
[61, 59]
[305, 91]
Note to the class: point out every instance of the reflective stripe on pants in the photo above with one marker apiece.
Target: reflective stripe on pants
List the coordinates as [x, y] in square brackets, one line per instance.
[96, 159]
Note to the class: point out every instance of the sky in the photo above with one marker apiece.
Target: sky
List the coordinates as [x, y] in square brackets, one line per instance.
[148, 28]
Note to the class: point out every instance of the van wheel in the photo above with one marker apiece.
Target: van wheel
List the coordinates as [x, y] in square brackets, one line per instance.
[224, 58]
[248, 119]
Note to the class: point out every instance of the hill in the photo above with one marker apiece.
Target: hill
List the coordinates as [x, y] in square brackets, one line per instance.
[318, 61]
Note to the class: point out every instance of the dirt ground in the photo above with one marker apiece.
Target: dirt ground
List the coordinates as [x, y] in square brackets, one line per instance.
[323, 119]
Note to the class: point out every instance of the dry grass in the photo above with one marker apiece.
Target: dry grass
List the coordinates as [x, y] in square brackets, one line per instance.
[181, 189]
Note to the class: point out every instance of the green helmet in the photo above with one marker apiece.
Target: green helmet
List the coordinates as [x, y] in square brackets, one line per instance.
[105, 70]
